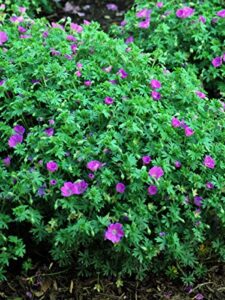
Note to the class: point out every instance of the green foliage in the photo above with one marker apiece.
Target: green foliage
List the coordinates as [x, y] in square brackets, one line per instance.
[176, 42]
[162, 232]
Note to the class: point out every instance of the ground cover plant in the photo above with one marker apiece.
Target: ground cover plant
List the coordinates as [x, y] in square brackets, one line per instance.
[189, 34]
[109, 162]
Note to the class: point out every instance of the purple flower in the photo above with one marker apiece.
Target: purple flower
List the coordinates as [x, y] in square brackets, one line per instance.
[78, 73]
[52, 166]
[74, 48]
[94, 165]
[198, 201]
[108, 100]
[221, 13]
[175, 122]
[56, 25]
[51, 122]
[49, 131]
[156, 95]
[22, 9]
[113, 81]
[199, 297]
[152, 190]
[184, 12]
[14, 140]
[45, 34]
[177, 164]
[76, 27]
[112, 6]
[144, 24]
[200, 94]
[71, 38]
[156, 172]
[55, 52]
[129, 40]
[209, 162]
[19, 129]
[69, 57]
[202, 19]
[25, 36]
[209, 185]
[7, 161]
[159, 4]
[122, 73]
[144, 13]
[15, 19]
[2, 82]
[123, 23]
[80, 187]
[146, 160]
[41, 191]
[3, 37]
[88, 83]
[188, 131]
[155, 84]
[162, 233]
[217, 62]
[67, 189]
[53, 182]
[120, 188]
[91, 176]
[114, 233]
[21, 29]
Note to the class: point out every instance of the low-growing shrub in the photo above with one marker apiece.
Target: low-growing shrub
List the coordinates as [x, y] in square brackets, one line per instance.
[179, 34]
[116, 165]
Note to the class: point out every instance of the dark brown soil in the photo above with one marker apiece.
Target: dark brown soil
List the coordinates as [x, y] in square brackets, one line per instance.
[95, 10]
[47, 284]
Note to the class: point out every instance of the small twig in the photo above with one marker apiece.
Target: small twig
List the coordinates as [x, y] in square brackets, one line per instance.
[202, 284]
[47, 274]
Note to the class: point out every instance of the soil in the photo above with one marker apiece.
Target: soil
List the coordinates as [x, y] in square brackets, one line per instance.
[95, 10]
[46, 283]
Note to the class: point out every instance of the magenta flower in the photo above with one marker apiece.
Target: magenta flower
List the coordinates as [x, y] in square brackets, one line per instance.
[86, 22]
[202, 19]
[80, 187]
[91, 175]
[146, 160]
[112, 6]
[156, 172]
[45, 34]
[2, 82]
[94, 165]
[114, 233]
[56, 25]
[184, 12]
[129, 40]
[209, 162]
[52, 166]
[200, 94]
[88, 83]
[120, 188]
[78, 73]
[76, 27]
[159, 4]
[3, 37]
[15, 19]
[51, 122]
[144, 24]
[21, 29]
[221, 13]
[123, 23]
[122, 73]
[19, 129]
[49, 131]
[53, 182]
[25, 36]
[74, 48]
[7, 161]
[67, 189]
[217, 62]
[107, 69]
[152, 190]
[22, 9]
[175, 122]
[14, 140]
[198, 201]
[144, 13]
[156, 95]
[155, 84]
[177, 164]
[108, 100]
[209, 185]
[71, 38]
[188, 131]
